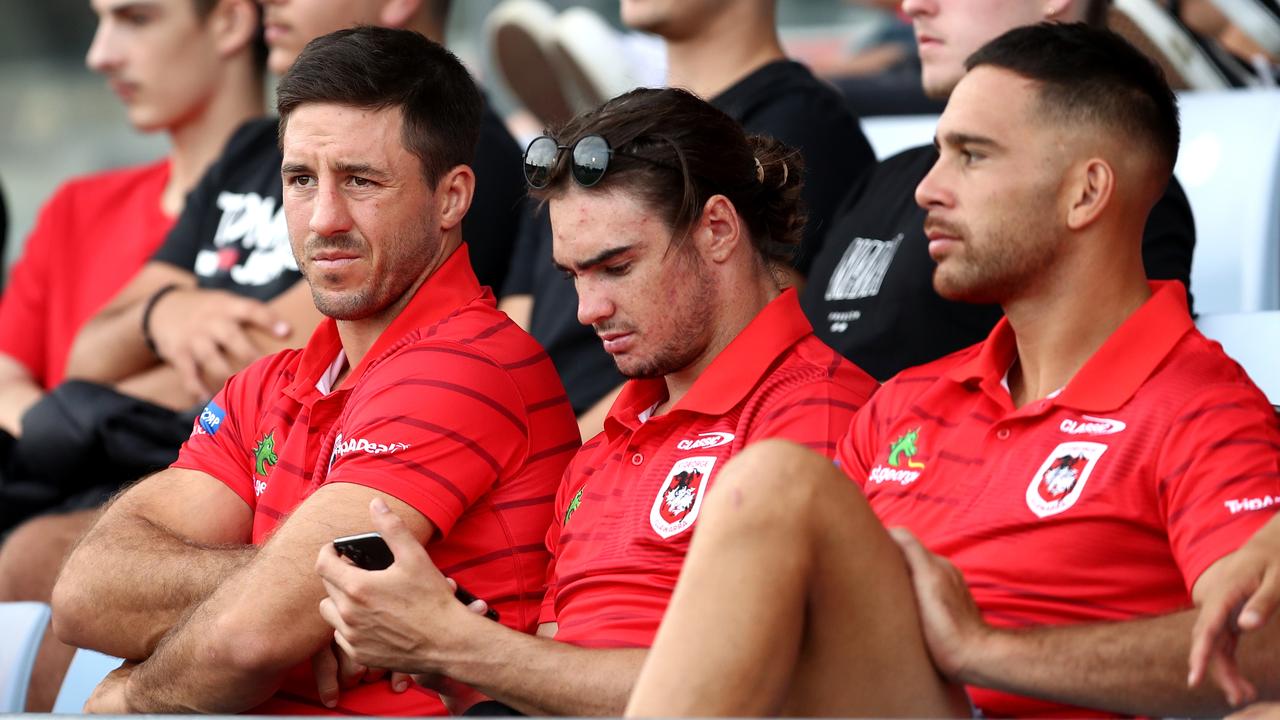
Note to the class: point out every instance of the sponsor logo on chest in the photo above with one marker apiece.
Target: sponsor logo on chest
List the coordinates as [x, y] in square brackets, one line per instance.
[899, 467]
[706, 440]
[1090, 425]
[680, 496]
[264, 458]
[1057, 485]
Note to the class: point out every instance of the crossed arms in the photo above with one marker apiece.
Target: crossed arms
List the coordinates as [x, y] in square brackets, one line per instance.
[167, 578]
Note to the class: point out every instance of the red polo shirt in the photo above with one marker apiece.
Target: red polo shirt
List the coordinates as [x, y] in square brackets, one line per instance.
[628, 502]
[1104, 502]
[454, 410]
[88, 242]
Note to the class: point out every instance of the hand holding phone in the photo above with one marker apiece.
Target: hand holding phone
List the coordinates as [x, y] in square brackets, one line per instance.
[370, 552]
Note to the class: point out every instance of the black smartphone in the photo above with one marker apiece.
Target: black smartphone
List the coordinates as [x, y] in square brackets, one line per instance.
[370, 552]
[367, 550]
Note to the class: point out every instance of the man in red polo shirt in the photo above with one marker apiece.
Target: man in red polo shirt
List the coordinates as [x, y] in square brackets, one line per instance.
[673, 225]
[1082, 470]
[416, 396]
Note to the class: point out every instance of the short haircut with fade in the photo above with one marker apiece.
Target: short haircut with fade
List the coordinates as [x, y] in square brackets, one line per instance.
[376, 68]
[1092, 75]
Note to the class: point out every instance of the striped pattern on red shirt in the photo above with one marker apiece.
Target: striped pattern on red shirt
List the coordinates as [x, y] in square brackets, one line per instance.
[1103, 503]
[626, 510]
[455, 411]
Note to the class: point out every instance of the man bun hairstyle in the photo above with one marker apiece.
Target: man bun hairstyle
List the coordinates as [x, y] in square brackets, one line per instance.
[675, 151]
[377, 68]
[1092, 75]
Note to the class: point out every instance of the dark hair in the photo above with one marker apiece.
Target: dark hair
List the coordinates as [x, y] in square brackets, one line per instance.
[681, 150]
[1091, 75]
[379, 68]
[204, 8]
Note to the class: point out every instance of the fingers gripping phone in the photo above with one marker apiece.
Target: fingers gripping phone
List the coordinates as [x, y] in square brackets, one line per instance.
[370, 552]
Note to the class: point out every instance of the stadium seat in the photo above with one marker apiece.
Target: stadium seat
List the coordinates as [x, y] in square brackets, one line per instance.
[891, 134]
[22, 626]
[1230, 167]
[87, 669]
[1252, 340]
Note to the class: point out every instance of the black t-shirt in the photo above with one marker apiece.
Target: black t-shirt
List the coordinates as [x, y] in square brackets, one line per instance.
[232, 231]
[782, 100]
[870, 292]
[786, 102]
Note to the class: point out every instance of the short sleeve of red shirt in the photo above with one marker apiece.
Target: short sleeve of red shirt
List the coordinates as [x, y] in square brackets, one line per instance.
[450, 429]
[1218, 474]
[815, 414]
[22, 312]
[860, 436]
[221, 441]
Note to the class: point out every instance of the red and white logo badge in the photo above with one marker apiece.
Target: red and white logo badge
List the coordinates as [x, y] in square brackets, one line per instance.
[680, 497]
[1058, 483]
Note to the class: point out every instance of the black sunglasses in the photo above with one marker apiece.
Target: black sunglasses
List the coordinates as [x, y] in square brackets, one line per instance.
[590, 155]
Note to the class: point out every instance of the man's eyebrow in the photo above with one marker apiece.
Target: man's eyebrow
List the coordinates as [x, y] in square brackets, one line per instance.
[965, 139]
[295, 169]
[361, 169]
[603, 256]
[122, 8]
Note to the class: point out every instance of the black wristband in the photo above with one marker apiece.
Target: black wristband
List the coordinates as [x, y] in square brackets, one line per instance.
[146, 316]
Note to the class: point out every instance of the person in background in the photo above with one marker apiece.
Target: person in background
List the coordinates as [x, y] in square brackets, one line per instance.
[191, 69]
[728, 53]
[415, 394]
[869, 294]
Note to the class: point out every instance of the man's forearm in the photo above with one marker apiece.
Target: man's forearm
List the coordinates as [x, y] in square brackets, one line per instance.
[110, 347]
[133, 581]
[1136, 667]
[541, 676]
[192, 672]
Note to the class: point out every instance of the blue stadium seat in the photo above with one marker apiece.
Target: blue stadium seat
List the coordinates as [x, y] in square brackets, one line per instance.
[87, 669]
[1229, 165]
[22, 626]
[1251, 339]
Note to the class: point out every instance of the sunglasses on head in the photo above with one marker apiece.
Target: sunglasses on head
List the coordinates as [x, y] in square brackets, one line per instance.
[590, 156]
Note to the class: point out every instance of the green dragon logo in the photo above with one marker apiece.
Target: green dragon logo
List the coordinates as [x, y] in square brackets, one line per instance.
[265, 453]
[906, 445]
[573, 505]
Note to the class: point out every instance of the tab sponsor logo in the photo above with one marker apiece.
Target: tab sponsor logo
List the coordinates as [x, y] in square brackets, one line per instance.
[211, 418]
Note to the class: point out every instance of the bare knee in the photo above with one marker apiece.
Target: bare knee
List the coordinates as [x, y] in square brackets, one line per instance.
[777, 486]
[34, 552]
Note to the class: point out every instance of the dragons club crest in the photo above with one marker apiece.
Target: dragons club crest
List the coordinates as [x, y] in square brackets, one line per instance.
[680, 496]
[1061, 478]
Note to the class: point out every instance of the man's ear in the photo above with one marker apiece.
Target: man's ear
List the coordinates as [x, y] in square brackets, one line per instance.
[234, 24]
[719, 230]
[454, 193]
[398, 13]
[1089, 192]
